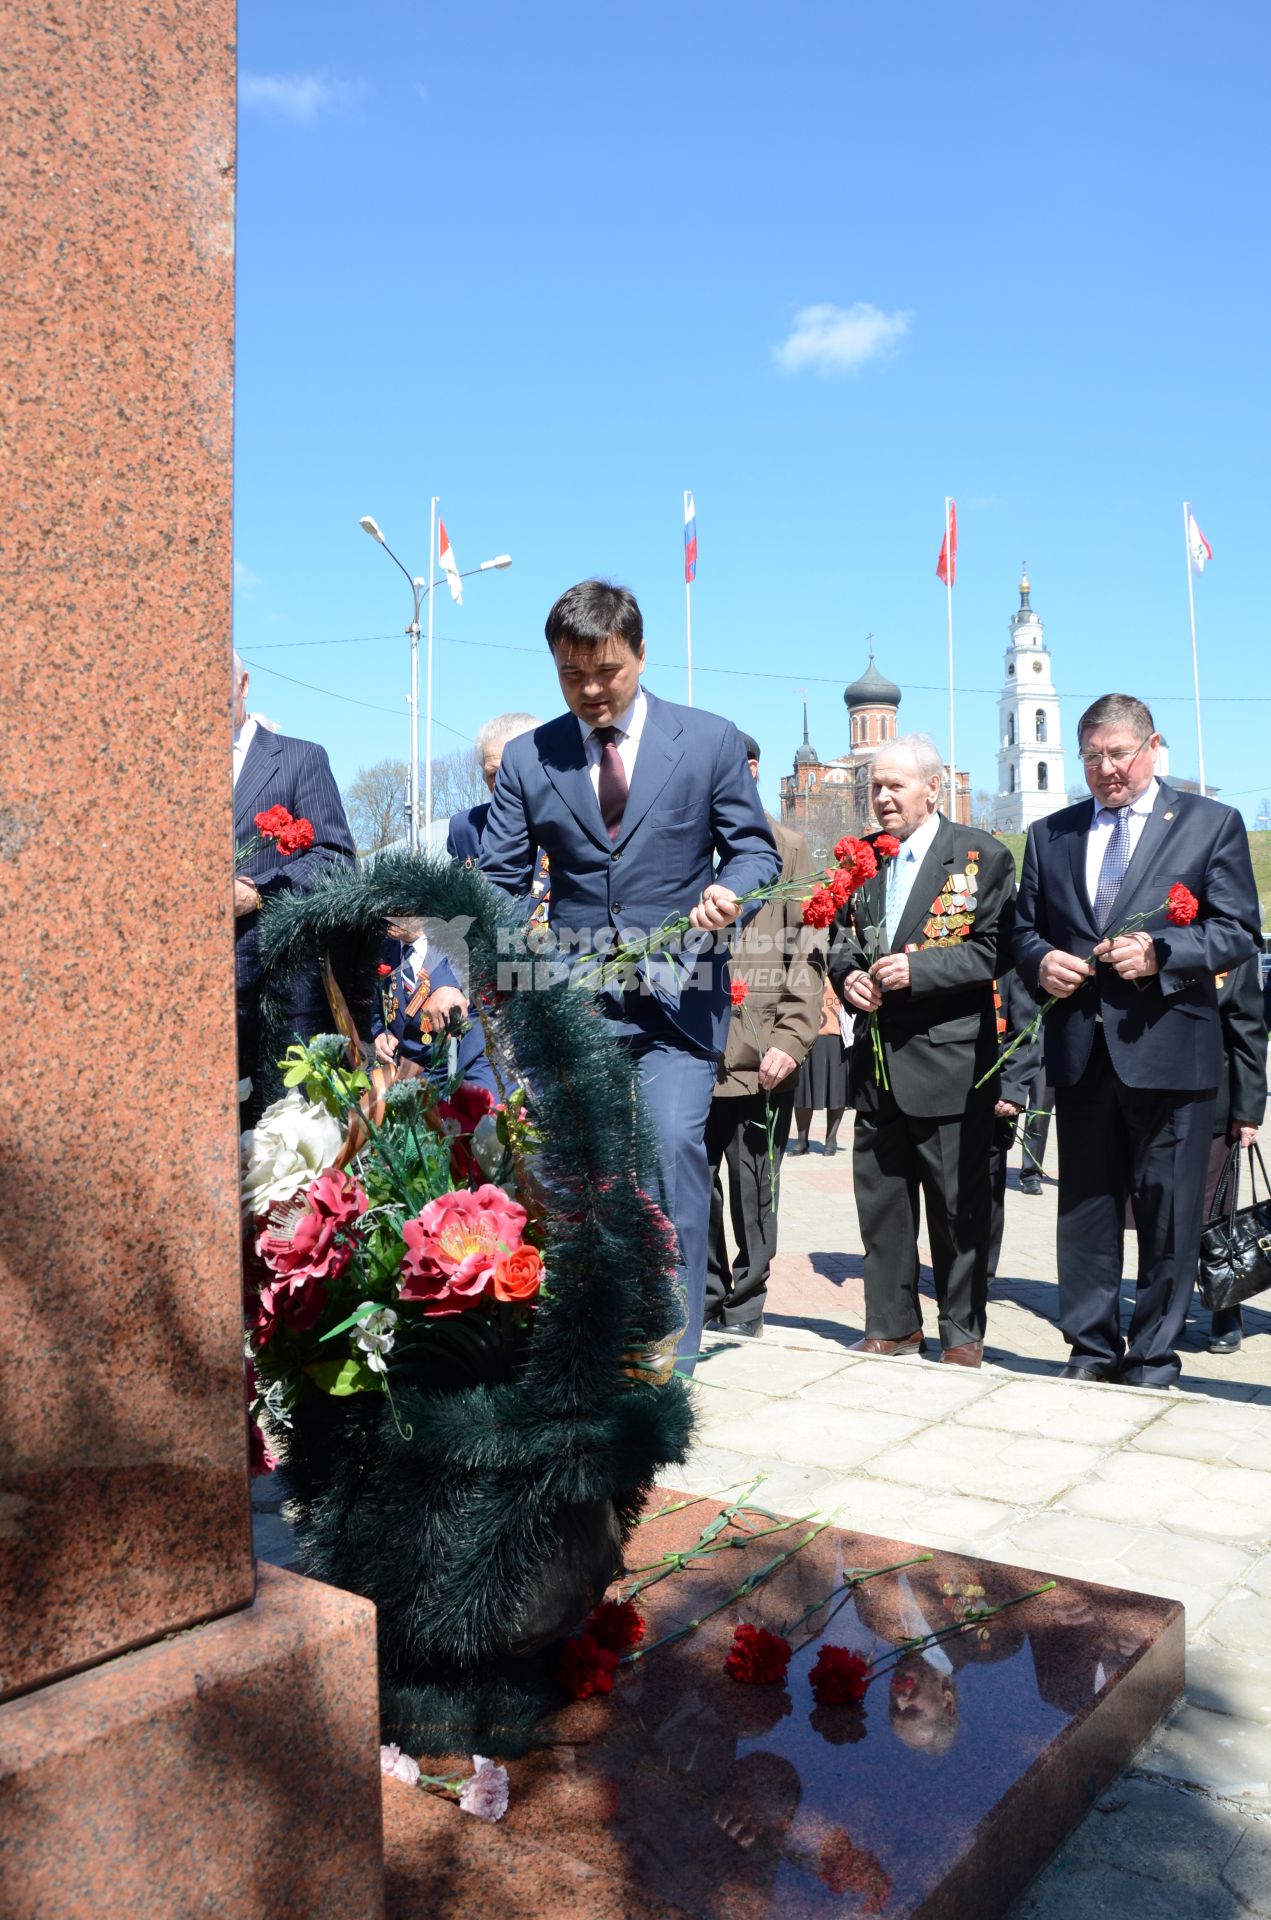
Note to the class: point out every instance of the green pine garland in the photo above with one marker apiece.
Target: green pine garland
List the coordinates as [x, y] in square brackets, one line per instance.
[448, 1531]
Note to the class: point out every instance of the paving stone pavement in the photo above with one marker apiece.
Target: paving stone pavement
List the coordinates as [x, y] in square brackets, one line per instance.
[1165, 1492]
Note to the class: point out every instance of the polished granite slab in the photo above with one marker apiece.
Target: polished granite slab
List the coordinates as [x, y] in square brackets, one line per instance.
[686, 1793]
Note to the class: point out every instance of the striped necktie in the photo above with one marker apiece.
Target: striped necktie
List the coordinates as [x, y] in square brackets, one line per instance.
[1115, 861]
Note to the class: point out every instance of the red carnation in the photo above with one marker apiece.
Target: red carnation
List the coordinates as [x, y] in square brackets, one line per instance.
[616, 1624]
[757, 1658]
[856, 857]
[839, 881]
[271, 823]
[738, 991]
[839, 1678]
[383, 970]
[585, 1667]
[819, 909]
[886, 846]
[1181, 907]
[296, 837]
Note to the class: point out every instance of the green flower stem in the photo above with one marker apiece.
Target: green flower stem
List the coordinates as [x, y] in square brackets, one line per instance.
[1135, 924]
[671, 930]
[677, 1562]
[325, 1075]
[964, 1625]
[748, 1586]
[853, 1580]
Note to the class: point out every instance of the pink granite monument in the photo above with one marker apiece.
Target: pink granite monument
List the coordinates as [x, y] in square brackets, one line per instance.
[235, 1764]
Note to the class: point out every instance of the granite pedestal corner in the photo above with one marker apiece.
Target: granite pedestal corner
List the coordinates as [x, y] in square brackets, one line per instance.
[232, 1769]
[686, 1793]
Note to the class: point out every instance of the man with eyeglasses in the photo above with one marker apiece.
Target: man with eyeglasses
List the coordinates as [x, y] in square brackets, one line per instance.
[1134, 1047]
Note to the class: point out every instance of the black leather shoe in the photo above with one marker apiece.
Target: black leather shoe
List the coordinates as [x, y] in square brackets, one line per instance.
[748, 1329]
[1030, 1183]
[1226, 1331]
[713, 1325]
[797, 1146]
[831, 1146]
[1086, 1370]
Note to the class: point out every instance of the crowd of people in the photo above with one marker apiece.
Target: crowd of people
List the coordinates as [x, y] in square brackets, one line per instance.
[629, 812]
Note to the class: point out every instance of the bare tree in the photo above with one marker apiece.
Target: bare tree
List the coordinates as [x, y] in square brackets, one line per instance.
[456, 783]
[375, 802]
[982, 810]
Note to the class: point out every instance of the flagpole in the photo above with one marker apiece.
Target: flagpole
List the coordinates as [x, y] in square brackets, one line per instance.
[1191, 608]
[688, 615]
[432, 564]
[948, 587]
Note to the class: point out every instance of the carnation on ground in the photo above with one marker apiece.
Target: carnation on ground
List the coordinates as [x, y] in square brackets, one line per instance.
[757, 1658]
[616, 1624]
[585, 1667]
[486, 1794]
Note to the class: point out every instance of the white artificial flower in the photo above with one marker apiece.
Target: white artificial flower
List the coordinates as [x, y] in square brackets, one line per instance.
[244, 1091]
[399, 1766]
[486, 1794]
[294, 1141]
[375, 1336]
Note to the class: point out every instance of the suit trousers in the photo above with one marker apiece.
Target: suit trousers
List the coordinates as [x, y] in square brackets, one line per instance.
[677, 1085]
[737, 1136]
[896, 1157]
[1119, 1143]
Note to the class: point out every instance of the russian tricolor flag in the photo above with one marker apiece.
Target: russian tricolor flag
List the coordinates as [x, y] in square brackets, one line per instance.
[690, 539]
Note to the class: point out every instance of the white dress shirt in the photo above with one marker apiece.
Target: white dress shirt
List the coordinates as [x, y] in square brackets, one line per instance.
[1105, 819]
[903, 871]
[629, 726]
[243, 737]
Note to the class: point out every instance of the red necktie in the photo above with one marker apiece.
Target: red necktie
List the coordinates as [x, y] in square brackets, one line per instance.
[613, 781]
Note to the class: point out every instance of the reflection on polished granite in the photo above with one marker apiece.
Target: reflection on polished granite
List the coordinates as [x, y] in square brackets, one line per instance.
[685, 1793]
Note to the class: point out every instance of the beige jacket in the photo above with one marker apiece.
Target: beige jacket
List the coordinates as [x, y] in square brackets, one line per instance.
[778, 960]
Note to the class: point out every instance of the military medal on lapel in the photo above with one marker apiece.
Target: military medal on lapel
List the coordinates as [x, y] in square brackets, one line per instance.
[420, 993]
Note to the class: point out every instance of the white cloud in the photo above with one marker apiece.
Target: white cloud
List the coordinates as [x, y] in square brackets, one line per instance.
[244, 577]
[826, 339]
[300, 97]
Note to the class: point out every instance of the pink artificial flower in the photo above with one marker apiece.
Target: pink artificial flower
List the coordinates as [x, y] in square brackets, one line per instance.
[262, 1460]
[312, 1241]
[455, 1245]
[486, 1794]
[399, 1766]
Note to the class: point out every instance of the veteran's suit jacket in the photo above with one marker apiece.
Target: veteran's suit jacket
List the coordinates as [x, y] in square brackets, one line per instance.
[940, 1033]
[1163, 1032]
[692, 800]
[414, 1041]
[280, 771]
[463, 836]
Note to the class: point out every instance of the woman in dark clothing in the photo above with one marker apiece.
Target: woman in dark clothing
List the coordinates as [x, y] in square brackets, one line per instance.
[822, 1079]
[1242, 1101]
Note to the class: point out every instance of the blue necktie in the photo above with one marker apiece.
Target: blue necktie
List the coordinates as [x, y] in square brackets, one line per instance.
[896, 895]
[1112, 872]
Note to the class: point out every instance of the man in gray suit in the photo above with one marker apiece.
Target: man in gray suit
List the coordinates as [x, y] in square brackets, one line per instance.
[918, 948]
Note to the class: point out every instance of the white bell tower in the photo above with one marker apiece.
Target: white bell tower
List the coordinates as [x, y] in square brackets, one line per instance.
[1030, 760]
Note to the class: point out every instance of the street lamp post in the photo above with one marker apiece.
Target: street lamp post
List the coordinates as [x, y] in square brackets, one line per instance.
[420, 590]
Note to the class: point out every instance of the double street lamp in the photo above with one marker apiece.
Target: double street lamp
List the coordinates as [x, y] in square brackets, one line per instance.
[421, 590]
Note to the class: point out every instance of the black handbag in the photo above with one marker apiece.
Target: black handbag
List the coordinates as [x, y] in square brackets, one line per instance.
[1235, 1246]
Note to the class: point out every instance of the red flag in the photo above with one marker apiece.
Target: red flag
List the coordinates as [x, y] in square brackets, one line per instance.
[947, 564]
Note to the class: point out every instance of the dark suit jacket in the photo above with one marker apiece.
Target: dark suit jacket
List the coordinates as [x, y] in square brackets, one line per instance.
[408, 1029]
[692, 799]
[280, 771]
[1163, 1032]
[1242, 1089]
[1019, 1010]
[939, 1033]
[463, 837]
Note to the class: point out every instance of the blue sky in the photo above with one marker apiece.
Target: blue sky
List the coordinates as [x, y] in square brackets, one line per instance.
[543, 262]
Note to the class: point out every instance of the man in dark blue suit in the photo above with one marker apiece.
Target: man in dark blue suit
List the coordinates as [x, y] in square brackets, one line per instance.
[1134, 1048]
[272, 770]
[463, 837]
[632, 800]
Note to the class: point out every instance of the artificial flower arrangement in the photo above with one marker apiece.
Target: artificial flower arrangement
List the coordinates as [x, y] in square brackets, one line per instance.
[384, 1226]
[462, 1312]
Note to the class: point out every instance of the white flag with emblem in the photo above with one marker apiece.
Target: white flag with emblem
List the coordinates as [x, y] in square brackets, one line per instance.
[445, 554]
[1197, 545]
